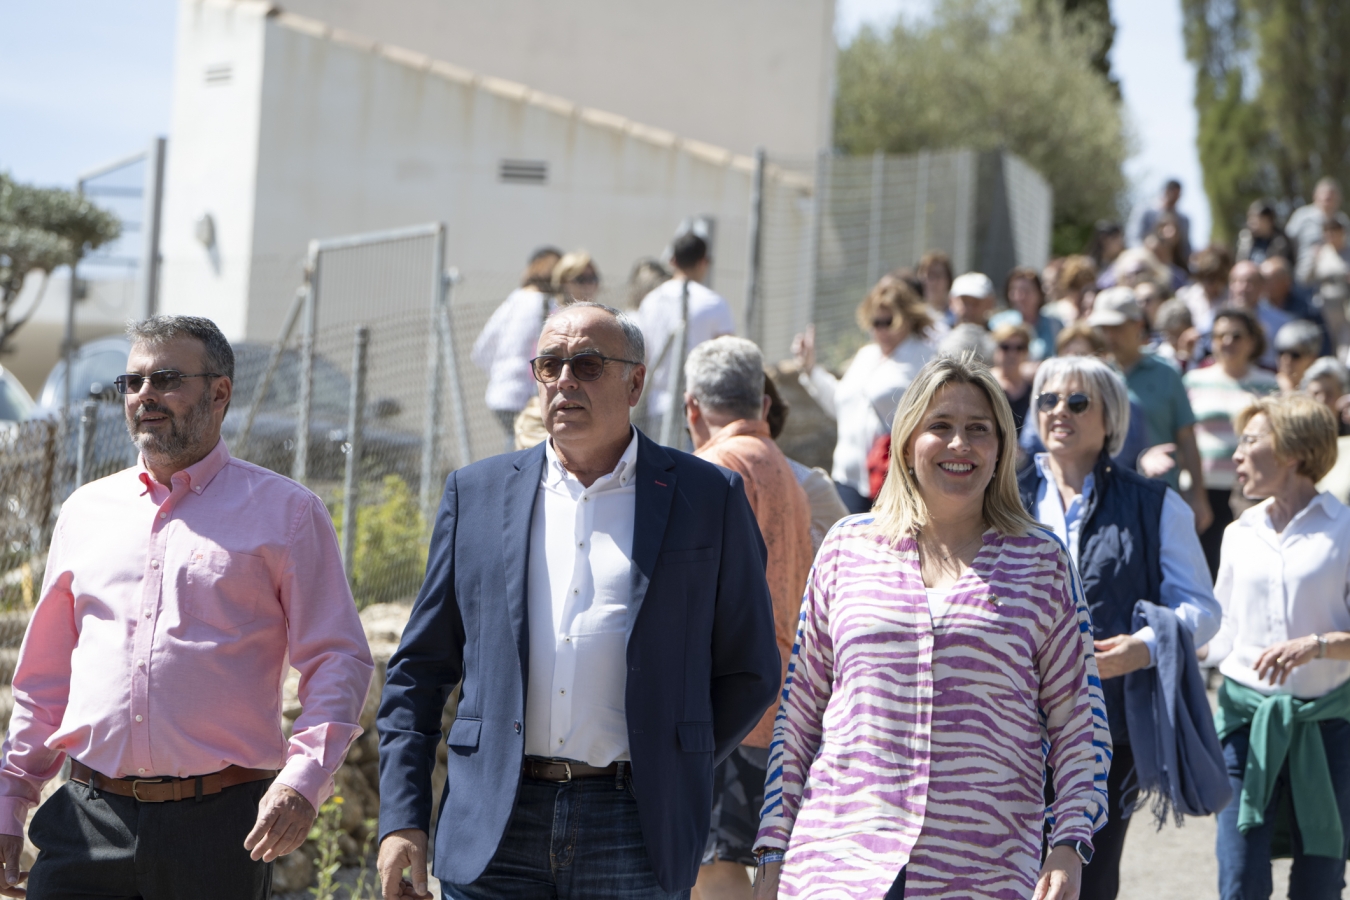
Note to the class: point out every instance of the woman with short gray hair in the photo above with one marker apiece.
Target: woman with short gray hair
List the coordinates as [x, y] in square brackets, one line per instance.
[1296, 346]
[1130, 537]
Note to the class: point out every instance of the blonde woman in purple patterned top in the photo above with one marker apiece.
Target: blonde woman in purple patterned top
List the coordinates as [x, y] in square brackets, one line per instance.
[943, 659]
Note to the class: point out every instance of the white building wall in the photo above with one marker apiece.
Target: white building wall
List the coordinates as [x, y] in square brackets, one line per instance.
[212, 160]
[735, 73]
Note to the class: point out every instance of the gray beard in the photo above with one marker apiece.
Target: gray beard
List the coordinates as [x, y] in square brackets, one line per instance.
[181, 445]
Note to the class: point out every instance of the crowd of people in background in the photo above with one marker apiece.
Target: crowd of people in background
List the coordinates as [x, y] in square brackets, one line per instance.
[1177, 420]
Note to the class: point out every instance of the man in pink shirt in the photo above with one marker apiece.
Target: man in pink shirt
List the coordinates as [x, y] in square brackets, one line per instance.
[175, 594]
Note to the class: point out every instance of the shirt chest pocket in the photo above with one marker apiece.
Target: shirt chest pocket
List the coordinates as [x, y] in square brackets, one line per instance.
[223, 589]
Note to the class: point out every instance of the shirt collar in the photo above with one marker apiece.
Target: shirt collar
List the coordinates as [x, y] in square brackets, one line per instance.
[750, 427]
[1261, 515]
[195, 477]
[1043, 466]
[624, 471]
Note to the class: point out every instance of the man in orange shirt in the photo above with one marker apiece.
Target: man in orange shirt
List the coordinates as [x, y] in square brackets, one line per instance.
[725, 406]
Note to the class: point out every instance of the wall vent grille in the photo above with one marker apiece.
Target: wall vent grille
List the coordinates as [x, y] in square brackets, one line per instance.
[523, 171]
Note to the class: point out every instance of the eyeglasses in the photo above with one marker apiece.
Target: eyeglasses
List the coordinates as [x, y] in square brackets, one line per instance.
[1077, 402]
[882, 324]
[587, 278]
[163, 381]
[1013, 348]
[585, 366]
[1296, 354]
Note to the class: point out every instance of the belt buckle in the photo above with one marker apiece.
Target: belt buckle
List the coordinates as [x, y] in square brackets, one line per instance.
[137, 782]
[567, 767]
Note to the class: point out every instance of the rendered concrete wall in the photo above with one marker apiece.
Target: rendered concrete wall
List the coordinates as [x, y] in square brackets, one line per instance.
[735, 73]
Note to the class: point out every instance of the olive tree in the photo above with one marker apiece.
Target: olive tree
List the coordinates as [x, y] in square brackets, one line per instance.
[41, 229]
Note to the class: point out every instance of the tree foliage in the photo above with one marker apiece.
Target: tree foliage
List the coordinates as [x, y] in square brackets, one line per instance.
[1272, 84]
[41, 229]
[989, 74]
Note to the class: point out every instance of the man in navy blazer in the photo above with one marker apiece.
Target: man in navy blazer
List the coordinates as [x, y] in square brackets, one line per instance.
[603, 601]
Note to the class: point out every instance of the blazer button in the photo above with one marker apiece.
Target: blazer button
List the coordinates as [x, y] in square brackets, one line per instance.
[516, 726]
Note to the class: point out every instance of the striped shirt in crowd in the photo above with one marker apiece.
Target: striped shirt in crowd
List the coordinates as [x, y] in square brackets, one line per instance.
[904, 742]
[1216, 399]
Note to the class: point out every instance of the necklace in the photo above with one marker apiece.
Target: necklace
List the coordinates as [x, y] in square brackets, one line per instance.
[955, 553]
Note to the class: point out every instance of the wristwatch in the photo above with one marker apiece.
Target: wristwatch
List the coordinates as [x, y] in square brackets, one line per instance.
[1080, 847]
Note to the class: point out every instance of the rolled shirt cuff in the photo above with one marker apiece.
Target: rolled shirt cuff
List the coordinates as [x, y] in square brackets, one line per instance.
[1075, 827]
[14, 815]
[1150, 640]
[309, 779]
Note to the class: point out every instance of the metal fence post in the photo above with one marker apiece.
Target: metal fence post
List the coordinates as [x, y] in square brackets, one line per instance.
[874, 225]
[84, 461]
[300, 468]
[452, 366]
[351, 478]
[431, 423]
[753, 325]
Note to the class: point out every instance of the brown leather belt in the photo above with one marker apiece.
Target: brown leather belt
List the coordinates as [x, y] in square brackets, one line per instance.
[162, 790]
[562, 771]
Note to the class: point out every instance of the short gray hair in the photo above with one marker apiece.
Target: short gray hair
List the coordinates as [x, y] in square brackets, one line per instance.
[1103, 384]
[727, 374]
[1173, 315]
[968, 339]
[1299, 334]
[158, 330]
[1326, 367]
[635, 345]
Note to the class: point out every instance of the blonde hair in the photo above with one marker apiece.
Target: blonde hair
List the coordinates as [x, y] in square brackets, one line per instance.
[899, 298]
[1300, 428]
[900, 509]
[570, 266]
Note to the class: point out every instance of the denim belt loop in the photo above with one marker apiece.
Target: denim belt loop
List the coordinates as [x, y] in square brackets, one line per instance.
[618, 775]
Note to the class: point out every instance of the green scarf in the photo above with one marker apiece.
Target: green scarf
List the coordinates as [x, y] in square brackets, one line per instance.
[1284, 727]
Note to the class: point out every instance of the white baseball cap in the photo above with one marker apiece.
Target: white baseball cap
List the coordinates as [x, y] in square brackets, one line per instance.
[973, 284]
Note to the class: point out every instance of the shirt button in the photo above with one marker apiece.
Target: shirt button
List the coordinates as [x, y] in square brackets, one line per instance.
[147, 613]
[154, 564]
[562, 691]
[560, 740]
[141, 663]
[163, 515]
[139, 719]
[140, 771]
[516, 726]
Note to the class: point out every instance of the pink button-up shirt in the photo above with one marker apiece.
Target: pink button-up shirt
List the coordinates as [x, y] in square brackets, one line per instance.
[162, 637]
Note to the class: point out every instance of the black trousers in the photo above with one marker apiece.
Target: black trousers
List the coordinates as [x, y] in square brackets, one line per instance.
[1101, 878]
[92, 844]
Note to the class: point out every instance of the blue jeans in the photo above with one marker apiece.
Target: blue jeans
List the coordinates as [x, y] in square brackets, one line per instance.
[1244, 859]
[575, 841]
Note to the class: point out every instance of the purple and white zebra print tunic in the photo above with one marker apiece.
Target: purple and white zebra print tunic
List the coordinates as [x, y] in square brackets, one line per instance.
[904, 741]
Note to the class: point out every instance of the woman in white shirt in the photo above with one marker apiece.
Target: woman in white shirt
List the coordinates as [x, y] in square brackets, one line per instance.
[1284, 651]
[864, 401]
[507, 343]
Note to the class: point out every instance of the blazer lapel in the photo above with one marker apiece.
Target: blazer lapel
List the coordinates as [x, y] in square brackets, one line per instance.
[655, 492]
[522, 488]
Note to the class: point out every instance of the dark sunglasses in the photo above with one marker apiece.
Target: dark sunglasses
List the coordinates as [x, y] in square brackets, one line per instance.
[163, 381]
[585, 366]
[586, 279]
[1077, 402]
[1013, 348]
[883, 323]
[1296, 354]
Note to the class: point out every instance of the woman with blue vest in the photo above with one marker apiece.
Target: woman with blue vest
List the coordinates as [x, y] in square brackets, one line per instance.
[1284, 651]
[1131, 538]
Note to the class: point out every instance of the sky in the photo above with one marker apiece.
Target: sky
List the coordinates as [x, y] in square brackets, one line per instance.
[83, 82]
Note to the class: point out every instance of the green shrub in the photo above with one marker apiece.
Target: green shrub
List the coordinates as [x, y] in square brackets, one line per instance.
[391, 544]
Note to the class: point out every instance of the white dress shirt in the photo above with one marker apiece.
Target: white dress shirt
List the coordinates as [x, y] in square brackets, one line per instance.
[1185, 587]
[659, 316]
[1274, 587]
[580, 596]
[864, 401]
[507, 344]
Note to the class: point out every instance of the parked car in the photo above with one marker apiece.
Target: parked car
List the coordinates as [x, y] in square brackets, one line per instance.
[15, 403]
[271, 441]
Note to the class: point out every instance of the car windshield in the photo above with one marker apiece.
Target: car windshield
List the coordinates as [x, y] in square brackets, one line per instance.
[94, 374]
[332, 389]
[15, 404]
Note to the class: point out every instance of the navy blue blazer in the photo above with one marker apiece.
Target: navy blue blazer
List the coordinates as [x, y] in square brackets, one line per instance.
[703, 665]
